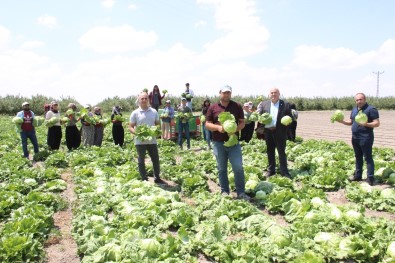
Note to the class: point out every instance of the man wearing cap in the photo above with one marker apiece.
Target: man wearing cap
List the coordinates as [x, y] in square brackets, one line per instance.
[145, 115]
[222, 153]
[54, 135]
[189, 95]
[27, 129]
[166, 116]
[183, 123]
[275, 132]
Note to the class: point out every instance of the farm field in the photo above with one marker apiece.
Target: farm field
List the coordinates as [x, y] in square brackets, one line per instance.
[316, 125]
[89, 205]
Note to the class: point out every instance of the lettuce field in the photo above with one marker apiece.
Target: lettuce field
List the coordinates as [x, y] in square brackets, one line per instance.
[116, 217]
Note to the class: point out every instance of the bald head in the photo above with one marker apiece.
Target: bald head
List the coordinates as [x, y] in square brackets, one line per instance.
[274, 95]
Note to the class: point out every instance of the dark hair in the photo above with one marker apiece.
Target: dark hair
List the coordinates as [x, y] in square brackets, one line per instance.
[156, 86]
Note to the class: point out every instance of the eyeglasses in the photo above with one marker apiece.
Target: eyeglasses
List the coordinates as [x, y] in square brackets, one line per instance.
[143, 98]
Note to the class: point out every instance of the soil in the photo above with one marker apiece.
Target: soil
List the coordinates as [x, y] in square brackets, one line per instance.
[62, 248]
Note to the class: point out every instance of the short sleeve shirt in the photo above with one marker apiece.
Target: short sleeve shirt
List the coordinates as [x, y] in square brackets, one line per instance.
[361, 132]
[212, 116]
[147, 117]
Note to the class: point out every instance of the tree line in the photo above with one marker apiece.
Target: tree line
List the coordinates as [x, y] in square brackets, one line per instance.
[11, 104]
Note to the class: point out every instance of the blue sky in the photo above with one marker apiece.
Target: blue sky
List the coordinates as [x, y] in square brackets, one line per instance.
[95, 49]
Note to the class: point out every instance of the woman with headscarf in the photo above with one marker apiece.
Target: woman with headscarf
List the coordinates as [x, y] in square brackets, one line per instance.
[73, 135]
[54, 135]
[87, 129]
[155, 99]
[99, 128]
[206, 133]
[118, 133]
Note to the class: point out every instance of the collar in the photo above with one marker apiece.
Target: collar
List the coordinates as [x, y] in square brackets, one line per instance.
[141, 109]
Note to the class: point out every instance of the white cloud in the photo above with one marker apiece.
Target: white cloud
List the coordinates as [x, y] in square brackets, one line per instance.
[5, 36]
[27, 73]
[200, 23]
[244, 35]
[386, 53]
[318, 57]
[32, 44]
[123, 38]
[132, 6]
[48, 21]
[108, 3]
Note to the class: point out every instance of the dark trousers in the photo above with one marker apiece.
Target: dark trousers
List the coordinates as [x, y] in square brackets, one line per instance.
[276, 140]
[118, 134]
[247, 132]
[363, 148]
[292, 131]
[98, 137]
[152, 150]
[54, 137]
[73, 137]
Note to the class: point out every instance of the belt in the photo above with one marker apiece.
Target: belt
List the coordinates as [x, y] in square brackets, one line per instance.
[271, 128]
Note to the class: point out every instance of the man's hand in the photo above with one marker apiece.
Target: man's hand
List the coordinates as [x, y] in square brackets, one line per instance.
[220, 129]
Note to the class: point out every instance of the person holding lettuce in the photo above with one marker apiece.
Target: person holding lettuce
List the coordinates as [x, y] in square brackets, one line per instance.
[27, 130]
[276, 131]
[54, 135]
[225, 140]
[363, 119]
[118, 133]
[73, 135]
[145, 116]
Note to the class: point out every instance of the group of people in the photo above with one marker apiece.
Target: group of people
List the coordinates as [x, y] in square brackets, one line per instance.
[275, 134]
[89, 134]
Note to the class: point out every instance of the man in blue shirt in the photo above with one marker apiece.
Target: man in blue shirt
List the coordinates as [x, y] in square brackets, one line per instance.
[363, 137]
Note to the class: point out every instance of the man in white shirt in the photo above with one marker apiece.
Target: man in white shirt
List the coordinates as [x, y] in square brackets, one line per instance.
[150, 117]
[275, 132]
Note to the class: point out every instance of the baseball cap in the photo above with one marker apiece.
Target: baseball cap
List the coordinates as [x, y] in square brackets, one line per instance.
[54, 103]
[246, 104]
[226, 88]
[25, 103]
[183, 99]
[168, 101]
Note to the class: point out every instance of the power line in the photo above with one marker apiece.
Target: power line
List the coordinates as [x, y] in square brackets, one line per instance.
[378, 73]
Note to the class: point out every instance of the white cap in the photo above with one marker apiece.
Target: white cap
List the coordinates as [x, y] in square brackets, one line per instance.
[183, 99]
[226, 88]
[25, 103]
[246, 104]
[168, 101]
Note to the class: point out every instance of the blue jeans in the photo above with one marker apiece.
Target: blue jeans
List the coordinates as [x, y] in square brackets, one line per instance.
[363, 148]
[152, 150]
[206, 135]
[233, 154]
[32, 136]
[185, 127]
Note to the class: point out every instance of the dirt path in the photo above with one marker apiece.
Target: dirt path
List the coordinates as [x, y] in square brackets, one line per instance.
[63, 249]
[317, 125]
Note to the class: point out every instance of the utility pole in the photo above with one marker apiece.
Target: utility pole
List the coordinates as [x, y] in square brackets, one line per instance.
[378, 73]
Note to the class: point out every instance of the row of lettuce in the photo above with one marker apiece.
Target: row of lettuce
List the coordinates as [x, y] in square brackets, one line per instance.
[119, 218]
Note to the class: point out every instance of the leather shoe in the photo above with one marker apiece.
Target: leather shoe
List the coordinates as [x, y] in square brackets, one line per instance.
[269, 173]
[370, 181]
[287, 175]
[355, 179]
